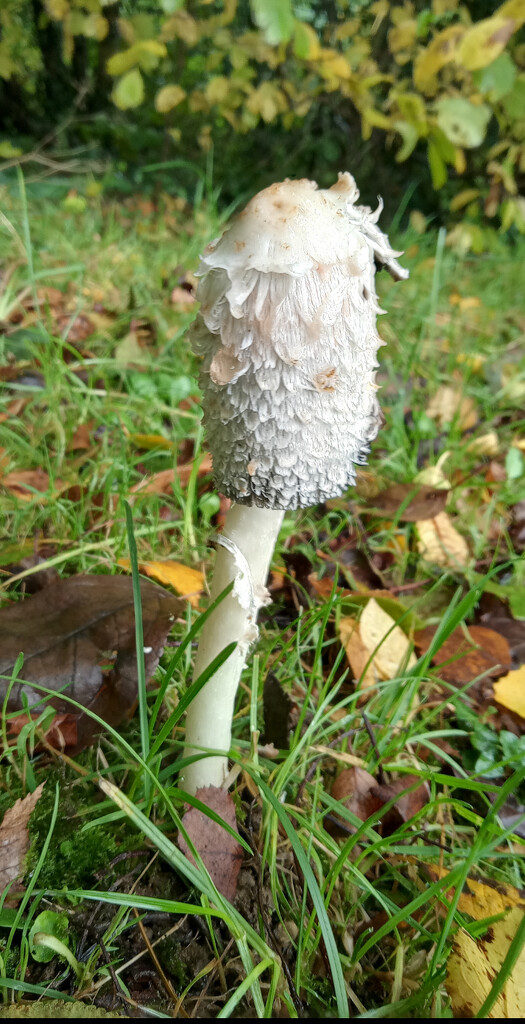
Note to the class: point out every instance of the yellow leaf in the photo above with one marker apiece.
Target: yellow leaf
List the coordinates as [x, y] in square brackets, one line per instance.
[387, 642]
[186, 581]
[168, 98]
[403, 36]
[217, 89]
[440, 543]
[513, 9]
[57, 9]
[334, 65]
[448, 405]
[438, 53]
[484, 42]
[510, 691]
[473, 967]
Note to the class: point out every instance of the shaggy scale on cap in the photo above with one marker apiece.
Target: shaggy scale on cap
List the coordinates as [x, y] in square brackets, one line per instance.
[287, 329]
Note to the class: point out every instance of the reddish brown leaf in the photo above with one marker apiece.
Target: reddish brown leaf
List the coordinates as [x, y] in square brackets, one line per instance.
[417, 502]
[407, 804]
[23, 483]
[496, 616]
[356, 789]
[78, 636]
[14, 837]
[82, 438]
[221, 853]
[486, 652]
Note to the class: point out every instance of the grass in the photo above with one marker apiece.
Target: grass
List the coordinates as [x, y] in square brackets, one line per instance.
[343, 916]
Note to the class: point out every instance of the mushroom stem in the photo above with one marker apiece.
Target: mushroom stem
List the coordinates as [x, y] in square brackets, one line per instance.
[243, 556]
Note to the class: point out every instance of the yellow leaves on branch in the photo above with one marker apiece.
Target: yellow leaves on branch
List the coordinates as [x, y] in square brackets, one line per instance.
[168, 98]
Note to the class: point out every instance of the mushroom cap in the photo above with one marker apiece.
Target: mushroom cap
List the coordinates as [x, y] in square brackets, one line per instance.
[287, 329]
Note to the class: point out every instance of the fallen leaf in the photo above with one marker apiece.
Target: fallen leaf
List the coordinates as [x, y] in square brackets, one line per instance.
[486, 444]
[82, 438]
[78, 637]
[25, 482]
[147, 442]
[510, 691]
[410, 795]
[473, 967]
[277, 706]
[440, 543]
[363, 795]
[186, 581]
[358, 655]
[480, 651]
[162, 483]
[356, 789]
[410, 503]
[220, 852]
[450, 405]
[482, 899]
[495, 615]
[14, 837]
[387, 641]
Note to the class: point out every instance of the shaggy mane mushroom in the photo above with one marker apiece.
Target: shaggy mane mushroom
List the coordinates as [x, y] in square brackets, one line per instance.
[287, 332]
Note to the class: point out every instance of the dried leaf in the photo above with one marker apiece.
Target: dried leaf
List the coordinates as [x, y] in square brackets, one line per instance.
[162, 483]
[221, 853]
[481, 651]
[182, 297]
[78, 636]
[356, 789]
[450, 405]
[386, 640]
[82, 438]
[486, 444]
[410, 795]
[510, 691]
[416, 502]
[14, 837]
[186, 581]
[25, 482]
[440, 543]
[357, 653]
[473, 967]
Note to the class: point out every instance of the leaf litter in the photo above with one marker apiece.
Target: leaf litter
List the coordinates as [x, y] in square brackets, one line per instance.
[78, 640]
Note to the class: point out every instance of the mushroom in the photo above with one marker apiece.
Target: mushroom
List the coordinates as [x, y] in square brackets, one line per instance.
[287, 332]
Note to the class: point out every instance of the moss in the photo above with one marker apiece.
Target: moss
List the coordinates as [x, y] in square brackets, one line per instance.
[74, 856]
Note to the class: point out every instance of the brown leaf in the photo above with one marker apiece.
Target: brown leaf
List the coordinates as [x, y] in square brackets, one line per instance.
[78, 635]
[23, 483]
[485, 651]
[82, 438]
[357, 652]
[495, 616]
[449, 404]
[408, 801]
[221, 853]
[418, 501]
[363, 796]
[14, 837]
[356, 789]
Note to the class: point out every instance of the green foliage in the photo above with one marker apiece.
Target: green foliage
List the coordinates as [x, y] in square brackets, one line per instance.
[434, 77]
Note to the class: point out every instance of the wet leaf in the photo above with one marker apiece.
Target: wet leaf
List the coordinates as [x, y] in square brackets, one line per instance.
[221, 853]
[78, 636]
[480, 651]
[510, 691]
[387, 641]
[276, 709]
[410, 502]
[162, 483]
[410, 795]
[14, 837]
[363, 796]
[440, 543]
[188, 582]
[473, 967]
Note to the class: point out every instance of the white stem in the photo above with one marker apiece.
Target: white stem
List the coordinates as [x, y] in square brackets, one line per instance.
[244, 556]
